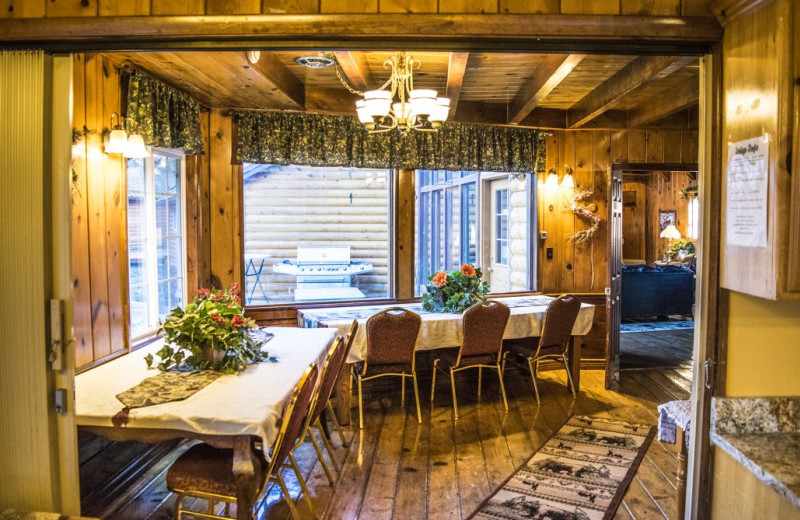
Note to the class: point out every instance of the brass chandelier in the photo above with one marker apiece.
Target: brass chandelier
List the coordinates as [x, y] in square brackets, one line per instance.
[398, 105]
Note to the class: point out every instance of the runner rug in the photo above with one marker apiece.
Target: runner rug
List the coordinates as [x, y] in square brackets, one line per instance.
[580, 473]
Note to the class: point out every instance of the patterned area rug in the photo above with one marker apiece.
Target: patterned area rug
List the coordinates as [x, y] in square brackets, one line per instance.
[580, 473]
[655, 326]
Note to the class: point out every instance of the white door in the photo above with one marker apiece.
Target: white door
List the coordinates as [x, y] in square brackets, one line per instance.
[499, 232]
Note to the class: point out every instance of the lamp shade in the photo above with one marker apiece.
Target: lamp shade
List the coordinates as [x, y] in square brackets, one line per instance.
[117, 141]
[135, 148]
[567, 182]
[670, 232]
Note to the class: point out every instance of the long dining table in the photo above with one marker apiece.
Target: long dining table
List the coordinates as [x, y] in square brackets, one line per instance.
[230, 412]
[443, 330]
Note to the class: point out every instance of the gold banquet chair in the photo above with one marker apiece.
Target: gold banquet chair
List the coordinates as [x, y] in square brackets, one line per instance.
[482, 331]
[554, 341]
[206, 472]
[391, 342]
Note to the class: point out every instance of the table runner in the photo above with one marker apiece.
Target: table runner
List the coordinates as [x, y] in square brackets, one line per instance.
[441, 329]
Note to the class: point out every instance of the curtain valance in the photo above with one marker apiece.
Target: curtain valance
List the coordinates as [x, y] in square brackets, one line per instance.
[319, 140]
[164, 116]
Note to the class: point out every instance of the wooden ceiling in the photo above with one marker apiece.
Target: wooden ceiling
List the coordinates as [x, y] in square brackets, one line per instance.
[537, 90]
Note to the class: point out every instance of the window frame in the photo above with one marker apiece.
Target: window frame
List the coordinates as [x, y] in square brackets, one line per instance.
[151, 245]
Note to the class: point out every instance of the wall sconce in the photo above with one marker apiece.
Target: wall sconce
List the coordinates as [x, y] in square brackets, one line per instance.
[566, 181]
[117, 139]
[253, 56]
[135, 148]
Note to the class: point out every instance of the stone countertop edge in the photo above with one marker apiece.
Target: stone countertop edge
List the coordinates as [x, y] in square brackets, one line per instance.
[749, 422]
[755, 468]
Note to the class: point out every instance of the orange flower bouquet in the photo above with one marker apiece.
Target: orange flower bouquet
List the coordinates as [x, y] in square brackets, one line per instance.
[454, 291]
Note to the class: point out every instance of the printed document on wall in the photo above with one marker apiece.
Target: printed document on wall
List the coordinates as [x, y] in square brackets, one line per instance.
[747, 192]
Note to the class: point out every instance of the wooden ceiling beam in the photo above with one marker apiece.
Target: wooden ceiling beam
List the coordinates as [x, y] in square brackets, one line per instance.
[543, 80]
[456, 68]
[289, 89]
[355, 69]
[673, 101]
[636, 74]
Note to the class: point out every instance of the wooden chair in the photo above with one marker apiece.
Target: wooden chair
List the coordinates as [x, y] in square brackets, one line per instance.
[481, 345]
[330, 371]
[554, 341]
[207, 472]
[391, 341]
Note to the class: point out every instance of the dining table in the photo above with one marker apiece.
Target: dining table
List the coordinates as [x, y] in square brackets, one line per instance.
[232, 411]
[443, 330]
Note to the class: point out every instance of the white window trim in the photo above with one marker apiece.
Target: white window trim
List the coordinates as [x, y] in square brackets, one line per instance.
[151, 246]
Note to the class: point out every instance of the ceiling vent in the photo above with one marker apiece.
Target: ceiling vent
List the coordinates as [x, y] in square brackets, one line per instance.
[314, 62]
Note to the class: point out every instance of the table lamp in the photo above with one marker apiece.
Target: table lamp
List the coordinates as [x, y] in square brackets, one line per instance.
[671, 233]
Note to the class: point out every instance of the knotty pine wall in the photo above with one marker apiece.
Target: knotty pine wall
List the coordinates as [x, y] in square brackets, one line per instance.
[99, 225]
[80, 8]
[590, 153]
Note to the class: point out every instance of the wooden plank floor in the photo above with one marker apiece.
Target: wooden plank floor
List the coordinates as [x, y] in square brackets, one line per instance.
[442, 469]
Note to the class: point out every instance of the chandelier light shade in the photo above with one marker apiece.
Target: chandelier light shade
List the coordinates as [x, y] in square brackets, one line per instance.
[397, 105]
[117, 139]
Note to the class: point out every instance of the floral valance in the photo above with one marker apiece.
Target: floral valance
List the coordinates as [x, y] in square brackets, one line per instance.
[164, 116]
[318, 140]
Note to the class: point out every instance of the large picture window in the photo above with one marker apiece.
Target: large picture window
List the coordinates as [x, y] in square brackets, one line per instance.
[480, 218]
[316, 234]
[156, 246]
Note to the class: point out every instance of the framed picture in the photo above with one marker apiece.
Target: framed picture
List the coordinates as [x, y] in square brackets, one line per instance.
[665, 218]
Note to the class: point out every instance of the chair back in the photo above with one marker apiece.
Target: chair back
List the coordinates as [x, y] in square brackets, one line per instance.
[294, 419]
[350, 336]
[392, 337]
[327, 378]
[482, 328]
[558, 322]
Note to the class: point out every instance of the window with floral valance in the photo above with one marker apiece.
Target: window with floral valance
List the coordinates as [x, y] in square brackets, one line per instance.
[164, 116]
[322, 140]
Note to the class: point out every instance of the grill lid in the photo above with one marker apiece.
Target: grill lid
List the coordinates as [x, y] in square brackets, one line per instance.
[323, 255]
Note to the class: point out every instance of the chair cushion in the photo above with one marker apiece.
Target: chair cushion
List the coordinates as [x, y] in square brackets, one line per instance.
[205, 469]
[447, 358]
[375, 369]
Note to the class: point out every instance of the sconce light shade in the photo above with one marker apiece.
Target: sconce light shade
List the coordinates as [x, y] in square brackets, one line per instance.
[117, 141]
[135, 148]
[566, 181]
[670, 232]
[552, 178]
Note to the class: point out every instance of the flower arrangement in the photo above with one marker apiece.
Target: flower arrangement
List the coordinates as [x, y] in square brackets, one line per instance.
[210, 333]
[454, 291]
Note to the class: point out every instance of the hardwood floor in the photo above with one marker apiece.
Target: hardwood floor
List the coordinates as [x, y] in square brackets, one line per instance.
[666, 348]
[441, 469]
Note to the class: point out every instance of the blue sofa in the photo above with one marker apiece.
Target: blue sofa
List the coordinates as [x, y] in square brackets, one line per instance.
[656, 290]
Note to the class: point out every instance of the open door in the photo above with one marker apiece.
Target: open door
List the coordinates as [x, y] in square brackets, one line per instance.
[614, 279]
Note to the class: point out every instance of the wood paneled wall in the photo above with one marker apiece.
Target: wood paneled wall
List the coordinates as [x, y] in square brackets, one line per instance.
[590, 153]
[99, 224]
[99, 246]
[80, 8]
[655, 192]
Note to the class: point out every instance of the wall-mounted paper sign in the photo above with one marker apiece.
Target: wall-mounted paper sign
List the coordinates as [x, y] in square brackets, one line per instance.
[747, 189]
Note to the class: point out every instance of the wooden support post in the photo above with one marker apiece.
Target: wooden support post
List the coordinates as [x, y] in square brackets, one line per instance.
[574, 359]
[344, 395]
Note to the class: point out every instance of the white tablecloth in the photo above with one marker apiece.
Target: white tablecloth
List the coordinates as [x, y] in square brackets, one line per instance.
[440, 330]
[246, 404]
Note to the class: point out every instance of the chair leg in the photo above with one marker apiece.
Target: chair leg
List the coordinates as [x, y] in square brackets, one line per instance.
[569, 377]
[416, 395]
[335, 422]
[328, 446]
[286, 495]
[303, 486]
[502, 386]
[210, 506]
[321, 458]
[480, 377]
[360, 405]
[433, 381]
[453, 390]
[403, 391]
[179, 505]
[532, 366]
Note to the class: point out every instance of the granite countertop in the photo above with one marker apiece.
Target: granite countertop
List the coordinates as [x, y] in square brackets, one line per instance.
[763, 435]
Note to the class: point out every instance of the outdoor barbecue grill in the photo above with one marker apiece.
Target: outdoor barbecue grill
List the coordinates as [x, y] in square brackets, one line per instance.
[324, 273]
